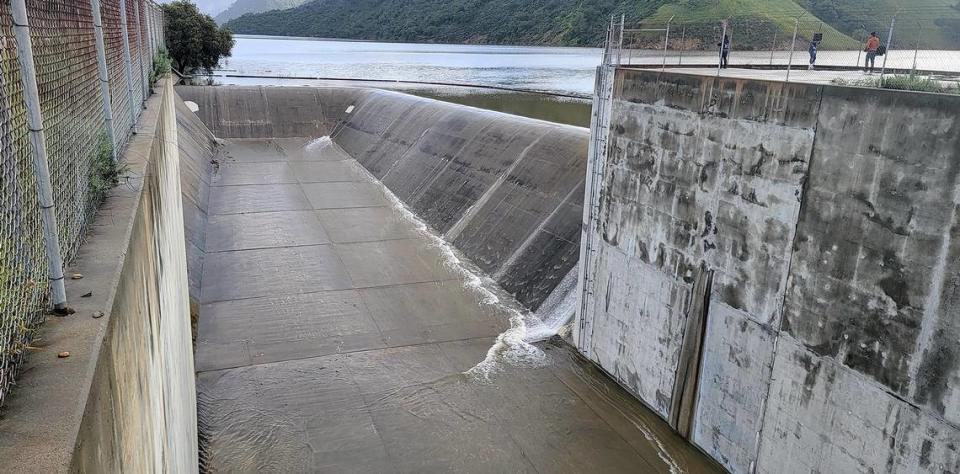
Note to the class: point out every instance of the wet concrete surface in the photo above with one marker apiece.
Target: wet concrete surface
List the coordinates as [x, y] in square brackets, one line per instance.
[332, 338]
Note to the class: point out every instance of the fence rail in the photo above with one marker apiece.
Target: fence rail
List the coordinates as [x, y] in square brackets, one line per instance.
[82, 118]
[790, 48]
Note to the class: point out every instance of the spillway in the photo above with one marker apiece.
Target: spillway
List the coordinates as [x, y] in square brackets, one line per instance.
[371, 266]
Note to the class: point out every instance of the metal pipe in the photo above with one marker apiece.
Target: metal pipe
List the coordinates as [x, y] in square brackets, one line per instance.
[886, 54]
[31, 97]
[104, 77]
[860, 49]
[142, 53]
[620, 42]
[127, 62]
[793, 45]
[917, 49]
[666, 44]
[773, 46]
[683, 39]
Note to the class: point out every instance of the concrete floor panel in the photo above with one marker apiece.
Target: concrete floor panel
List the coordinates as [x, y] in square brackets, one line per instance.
[258, 198]
[234, 173]
[344, 195]
[277, 271]
[276, 328]
[311, 150]
[327, 171]
[264, 229]
[431, 312]
[252, 150]
[393, 262]
[365, 224]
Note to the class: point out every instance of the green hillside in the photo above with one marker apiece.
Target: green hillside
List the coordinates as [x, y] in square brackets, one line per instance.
[242, 7]
[935, 23]
[552, 22]
[582, 22]
[753, 23]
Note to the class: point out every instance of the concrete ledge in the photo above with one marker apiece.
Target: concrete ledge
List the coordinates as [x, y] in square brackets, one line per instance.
[64, 406]
[42, 416]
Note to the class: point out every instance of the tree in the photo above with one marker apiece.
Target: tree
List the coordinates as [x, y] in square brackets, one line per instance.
[194, 40]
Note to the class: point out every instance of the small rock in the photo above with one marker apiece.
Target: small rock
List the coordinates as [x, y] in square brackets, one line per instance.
[87, 294]
[76, 276]
[97, 314]
[63, 355]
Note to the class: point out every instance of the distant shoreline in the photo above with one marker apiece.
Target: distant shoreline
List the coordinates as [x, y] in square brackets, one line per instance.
[349, 40]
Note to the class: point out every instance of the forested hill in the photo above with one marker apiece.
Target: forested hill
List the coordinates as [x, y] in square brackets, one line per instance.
[549, 22]
[582, 22]
[242, 7]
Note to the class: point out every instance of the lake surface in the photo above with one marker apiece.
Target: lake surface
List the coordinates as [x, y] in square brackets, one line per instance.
[482, 72]
[558, 70]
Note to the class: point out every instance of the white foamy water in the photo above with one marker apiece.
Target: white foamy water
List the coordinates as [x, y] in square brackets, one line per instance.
[515, 345]
[319, 144]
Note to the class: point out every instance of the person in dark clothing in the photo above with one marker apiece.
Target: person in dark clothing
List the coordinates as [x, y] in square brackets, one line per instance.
[813, 52]
[724, 51]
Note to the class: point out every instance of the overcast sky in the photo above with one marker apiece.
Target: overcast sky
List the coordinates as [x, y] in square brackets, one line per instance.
[210, 7]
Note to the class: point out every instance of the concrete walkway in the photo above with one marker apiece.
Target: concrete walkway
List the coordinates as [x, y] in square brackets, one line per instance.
[333, 339]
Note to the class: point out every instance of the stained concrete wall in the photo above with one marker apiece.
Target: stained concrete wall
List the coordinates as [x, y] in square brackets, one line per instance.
[270, 112]
[506, 190]
[827, 215]
[140, 414]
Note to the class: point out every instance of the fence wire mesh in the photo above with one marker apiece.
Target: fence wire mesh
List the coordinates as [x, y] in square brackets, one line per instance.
[65, 59]
[912, 53]
[23, 275]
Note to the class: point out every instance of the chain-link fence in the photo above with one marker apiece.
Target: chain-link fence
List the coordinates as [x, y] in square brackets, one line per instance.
[75, 118]
[872, 51]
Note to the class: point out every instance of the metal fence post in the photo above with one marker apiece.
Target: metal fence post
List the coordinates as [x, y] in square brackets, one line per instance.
[773, 46]
[793, 45]
[31, 96]
[143, 56]
[683, 39]
[916, 50]
[104, 77]
[620, 42]
[883, 69]
[148, 19]
[127, 62]
[666, 44]
[860, 48]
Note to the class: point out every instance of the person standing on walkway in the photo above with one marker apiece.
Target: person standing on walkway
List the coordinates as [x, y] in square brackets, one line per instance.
[813, 51]
[724, 51]
[873, 44]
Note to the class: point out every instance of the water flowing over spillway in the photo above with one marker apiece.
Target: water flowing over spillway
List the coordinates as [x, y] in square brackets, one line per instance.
[339, 332]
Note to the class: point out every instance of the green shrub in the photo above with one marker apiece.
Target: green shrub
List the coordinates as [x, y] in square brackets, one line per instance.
[161, 65]
[104, 173]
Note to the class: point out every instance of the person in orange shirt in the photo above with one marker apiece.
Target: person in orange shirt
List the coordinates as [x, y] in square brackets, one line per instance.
[873, 44]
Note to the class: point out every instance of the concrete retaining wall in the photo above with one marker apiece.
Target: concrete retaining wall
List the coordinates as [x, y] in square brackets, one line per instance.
[123, 400]
[506, 190]
[141, 410]
[827, 218]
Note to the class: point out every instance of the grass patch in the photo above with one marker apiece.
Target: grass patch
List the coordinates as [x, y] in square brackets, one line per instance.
[104, 173]
[903, 82]
[161, 65]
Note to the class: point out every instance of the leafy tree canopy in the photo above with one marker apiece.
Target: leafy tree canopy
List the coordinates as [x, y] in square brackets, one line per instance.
[194, 40]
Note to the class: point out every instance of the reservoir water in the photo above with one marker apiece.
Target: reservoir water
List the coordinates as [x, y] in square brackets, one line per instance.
[551, 69]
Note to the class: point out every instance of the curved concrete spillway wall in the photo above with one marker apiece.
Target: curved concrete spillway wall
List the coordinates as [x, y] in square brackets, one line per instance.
[507, 191]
